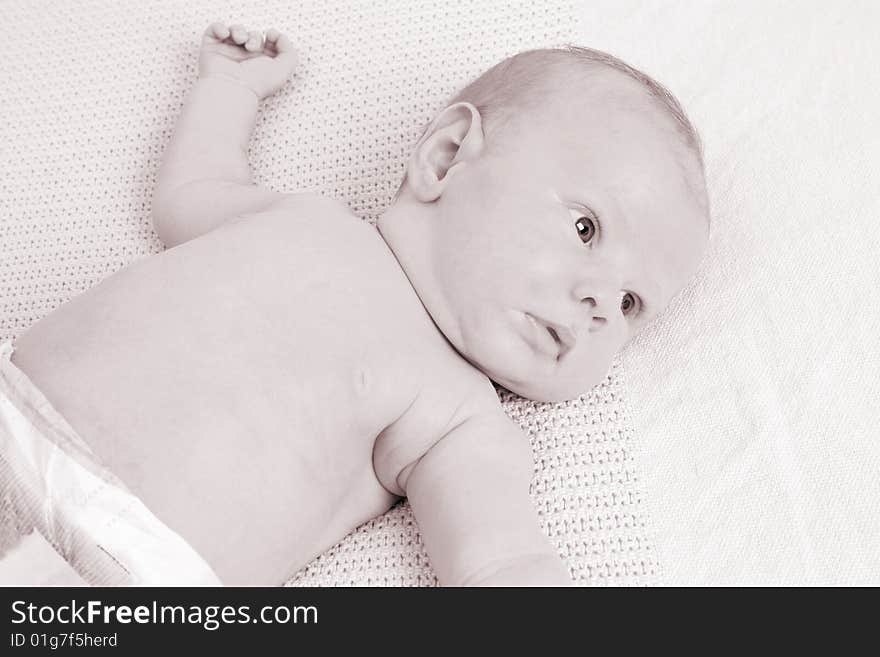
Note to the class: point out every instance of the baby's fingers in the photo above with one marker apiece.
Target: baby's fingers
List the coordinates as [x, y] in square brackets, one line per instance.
[283, 47]
[254, 42]
[280, 41]
[272, 36]
[239, 34]
[217, 31]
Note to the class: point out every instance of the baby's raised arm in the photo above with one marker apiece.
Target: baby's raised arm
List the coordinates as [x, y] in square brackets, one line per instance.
[204, 177]
[470, 496]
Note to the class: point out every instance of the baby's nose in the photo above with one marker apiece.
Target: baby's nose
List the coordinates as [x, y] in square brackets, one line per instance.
[596, 319]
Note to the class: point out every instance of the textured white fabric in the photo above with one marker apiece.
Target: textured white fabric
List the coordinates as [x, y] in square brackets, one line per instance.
[755, 399]
[90, 94]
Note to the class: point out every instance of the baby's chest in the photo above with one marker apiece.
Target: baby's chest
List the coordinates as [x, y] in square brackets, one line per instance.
[319, 313]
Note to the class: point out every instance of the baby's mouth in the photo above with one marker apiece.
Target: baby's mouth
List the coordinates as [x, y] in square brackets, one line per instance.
[563, 337]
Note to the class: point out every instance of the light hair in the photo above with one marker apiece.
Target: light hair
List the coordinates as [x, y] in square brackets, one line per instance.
[522, 81]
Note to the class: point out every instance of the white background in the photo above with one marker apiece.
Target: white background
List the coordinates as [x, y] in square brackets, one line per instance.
[755, 399]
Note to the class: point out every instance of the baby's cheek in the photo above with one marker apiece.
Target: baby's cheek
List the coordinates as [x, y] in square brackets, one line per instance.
[542, 263]
[532, 284]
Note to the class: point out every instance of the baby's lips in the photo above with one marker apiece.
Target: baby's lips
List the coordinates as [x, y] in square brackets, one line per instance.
[566, 336]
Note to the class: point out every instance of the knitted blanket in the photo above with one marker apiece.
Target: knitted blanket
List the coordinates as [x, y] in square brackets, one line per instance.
[91, 91]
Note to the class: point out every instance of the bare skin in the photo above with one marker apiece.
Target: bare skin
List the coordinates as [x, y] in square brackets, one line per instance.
[284, 372]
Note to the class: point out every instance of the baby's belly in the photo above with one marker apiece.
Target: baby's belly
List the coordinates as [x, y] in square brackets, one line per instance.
[253, 443]
[259, 475]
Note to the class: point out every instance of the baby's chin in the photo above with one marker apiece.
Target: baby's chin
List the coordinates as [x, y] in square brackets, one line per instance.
[513, 365]
[539, 391]
[553, 390]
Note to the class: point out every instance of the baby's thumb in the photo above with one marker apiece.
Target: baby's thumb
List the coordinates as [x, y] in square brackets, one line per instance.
[286, 53]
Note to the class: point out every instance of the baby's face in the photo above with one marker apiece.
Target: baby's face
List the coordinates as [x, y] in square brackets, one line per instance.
[546, 259]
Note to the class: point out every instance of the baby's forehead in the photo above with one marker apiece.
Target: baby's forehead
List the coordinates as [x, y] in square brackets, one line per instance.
[617, 134]
[580, 99]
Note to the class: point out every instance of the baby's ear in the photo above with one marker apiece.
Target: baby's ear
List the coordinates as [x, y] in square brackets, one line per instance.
[454, 137]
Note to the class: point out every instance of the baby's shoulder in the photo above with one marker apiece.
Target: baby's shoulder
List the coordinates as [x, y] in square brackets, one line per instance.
[300, 210]
[307, 222]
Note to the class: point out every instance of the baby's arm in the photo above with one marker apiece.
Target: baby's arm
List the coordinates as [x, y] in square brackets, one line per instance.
[470, 496]
[204, 177]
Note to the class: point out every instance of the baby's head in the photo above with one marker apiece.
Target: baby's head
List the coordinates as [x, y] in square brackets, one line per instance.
[548, 213]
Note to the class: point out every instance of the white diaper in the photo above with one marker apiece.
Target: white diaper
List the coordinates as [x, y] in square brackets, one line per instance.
[104, 531]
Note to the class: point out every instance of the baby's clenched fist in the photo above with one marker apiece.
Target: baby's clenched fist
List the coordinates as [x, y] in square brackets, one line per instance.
[262, 64]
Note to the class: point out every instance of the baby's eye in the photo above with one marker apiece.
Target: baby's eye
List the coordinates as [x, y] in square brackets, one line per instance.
[585, 225]
[629, 303]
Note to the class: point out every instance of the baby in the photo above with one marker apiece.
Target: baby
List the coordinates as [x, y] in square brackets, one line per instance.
[226, 410]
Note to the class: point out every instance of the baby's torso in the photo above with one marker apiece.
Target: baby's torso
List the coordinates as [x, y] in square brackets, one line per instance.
[239, 382]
